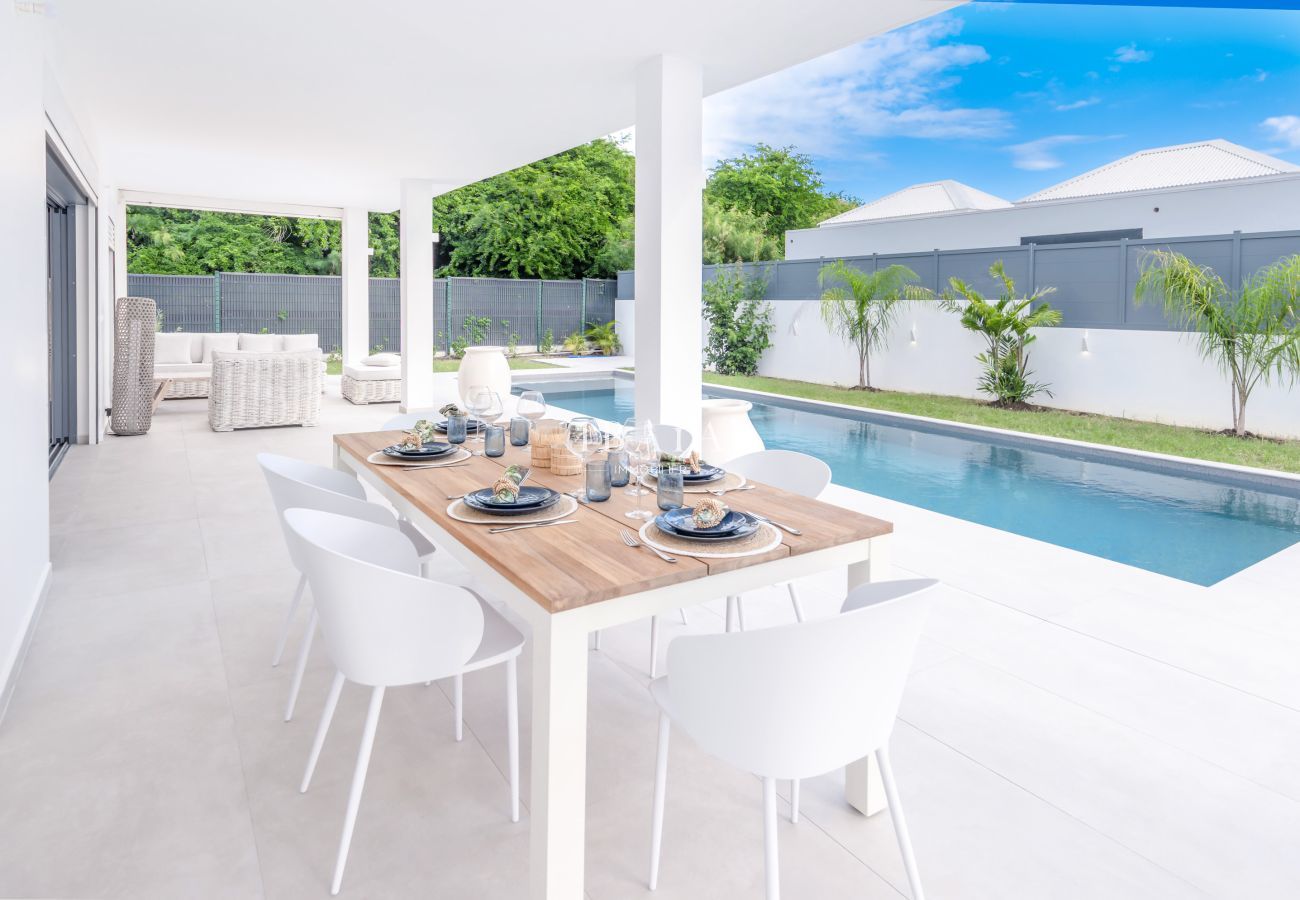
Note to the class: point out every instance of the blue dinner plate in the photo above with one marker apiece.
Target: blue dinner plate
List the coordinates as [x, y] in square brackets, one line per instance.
[471, 425]
[706, 474]
[531, 499]
[428, 451]
[734, 525]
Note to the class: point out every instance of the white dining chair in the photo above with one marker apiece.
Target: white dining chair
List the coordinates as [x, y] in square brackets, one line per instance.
[386, 626]
[296, 483]
[790, 471]
[830, 701]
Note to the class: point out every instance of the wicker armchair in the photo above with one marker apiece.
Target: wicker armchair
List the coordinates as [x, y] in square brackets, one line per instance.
[258, 390]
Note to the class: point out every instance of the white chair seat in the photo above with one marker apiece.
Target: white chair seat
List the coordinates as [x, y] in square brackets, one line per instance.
[424, 548]
[501, 640]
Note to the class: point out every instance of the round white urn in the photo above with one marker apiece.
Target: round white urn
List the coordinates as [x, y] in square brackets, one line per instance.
[728, 433]
[483, 366]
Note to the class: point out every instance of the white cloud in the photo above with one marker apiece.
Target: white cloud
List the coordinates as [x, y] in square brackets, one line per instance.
[1039, 154]
[1129, 53]
[1285, 129]
[1077, 104]
[886, 87]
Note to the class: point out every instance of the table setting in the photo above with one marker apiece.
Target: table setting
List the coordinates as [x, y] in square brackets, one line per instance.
[419, 448]
[511, 505]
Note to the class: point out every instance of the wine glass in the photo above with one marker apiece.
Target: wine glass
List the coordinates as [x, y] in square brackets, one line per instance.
[583, 439]
[642, 451]
[673, 441]
[479, 399]
[634, 488]
[531, 406]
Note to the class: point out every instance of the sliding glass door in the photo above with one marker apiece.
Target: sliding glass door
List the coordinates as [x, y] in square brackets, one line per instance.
[61, 320]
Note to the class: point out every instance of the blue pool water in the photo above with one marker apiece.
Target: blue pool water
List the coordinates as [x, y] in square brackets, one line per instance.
[1189, 526]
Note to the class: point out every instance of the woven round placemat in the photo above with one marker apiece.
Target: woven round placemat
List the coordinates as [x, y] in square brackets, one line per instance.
[728, 482]
[462, 513]
[765, 539]
[379, 459]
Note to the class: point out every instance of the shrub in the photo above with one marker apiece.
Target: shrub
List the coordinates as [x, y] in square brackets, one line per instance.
[575, 343]
[604, 338]
[740, 322]
[547, 344]
[861, 307]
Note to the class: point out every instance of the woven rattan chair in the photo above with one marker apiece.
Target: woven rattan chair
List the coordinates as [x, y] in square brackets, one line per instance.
[258, 390]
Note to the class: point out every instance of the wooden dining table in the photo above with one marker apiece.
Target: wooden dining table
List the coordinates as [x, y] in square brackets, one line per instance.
[569, 581]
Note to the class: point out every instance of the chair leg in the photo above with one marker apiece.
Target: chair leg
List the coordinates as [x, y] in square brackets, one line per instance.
[358, 784]
[732, 602]
[595, 640]
[900, 823]
[304, 651]
[426, 568]
[458, 701]
[794, 598]
[661, 786]
[682, 613]
[794, 801]
[740, 613]
[326, 717]
[770, 855]
[288, 620]
[512, 732]
[654, 646]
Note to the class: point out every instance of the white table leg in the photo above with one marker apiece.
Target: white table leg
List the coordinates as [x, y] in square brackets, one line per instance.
[559, 759]
[863, 787]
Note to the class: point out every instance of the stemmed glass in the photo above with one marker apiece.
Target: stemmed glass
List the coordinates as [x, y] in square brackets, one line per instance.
[482, 402]
[642, 451]
[531, 406]
[634, 488]
[584, 439]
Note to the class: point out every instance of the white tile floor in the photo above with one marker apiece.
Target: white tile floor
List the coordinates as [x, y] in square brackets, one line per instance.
[1073, 728]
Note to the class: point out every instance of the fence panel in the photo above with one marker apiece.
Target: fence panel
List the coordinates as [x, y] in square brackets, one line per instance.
[562, 309]
[1213, 252]
[1085, 281]
[600, 294]
[386, 314]
[185, 302]
[283, 304]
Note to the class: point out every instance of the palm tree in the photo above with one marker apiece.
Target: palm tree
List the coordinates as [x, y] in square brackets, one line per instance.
[1253, 333]
[862, 307]
[1006, 325]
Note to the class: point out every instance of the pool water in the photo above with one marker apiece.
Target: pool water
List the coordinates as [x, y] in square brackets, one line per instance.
[1188, 526]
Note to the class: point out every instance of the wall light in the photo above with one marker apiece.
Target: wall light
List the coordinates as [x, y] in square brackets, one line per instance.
[913, 332]
[1084, 343]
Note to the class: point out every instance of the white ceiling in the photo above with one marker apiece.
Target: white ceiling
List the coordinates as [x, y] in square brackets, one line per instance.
[331, 103]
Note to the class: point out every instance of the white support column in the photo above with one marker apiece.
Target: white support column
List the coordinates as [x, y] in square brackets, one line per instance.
[416, 233]
[669, 185]
[356, 284]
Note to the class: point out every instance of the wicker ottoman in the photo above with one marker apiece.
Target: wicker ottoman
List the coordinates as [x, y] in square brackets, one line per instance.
[259, 390]
[372, 384]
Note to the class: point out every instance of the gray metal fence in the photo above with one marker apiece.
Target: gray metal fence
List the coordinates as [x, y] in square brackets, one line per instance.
[295, 304]
[1094, 281]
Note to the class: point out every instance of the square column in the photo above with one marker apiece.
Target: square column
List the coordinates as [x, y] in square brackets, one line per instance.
[356, 284]
[416, 260]
[669, 198]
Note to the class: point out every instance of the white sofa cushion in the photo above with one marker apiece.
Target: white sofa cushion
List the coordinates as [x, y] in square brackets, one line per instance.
[373, 373]
[259, 343]
[182, 370]
[298, 342]
[383, 359]
[171, 347]
[218, 341]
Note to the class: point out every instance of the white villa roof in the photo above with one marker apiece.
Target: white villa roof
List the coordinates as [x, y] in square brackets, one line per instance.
[922, 199]
[1165, 167]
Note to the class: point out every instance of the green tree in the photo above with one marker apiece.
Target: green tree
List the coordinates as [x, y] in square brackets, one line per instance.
[199, 242]
[734, 235]
[740, 322]
[780, 185]
[1253, 333]
[861, 307]
[1006, 325]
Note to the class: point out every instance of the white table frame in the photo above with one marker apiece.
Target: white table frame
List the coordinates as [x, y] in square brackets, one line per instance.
[558, 801]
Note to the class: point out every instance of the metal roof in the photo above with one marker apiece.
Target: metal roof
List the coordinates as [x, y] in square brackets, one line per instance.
[1202, 162]
[922, 199]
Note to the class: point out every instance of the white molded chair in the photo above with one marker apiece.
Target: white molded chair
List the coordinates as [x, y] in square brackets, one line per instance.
[832, 700]
[386, 626]
[790, 471]
[295, 483]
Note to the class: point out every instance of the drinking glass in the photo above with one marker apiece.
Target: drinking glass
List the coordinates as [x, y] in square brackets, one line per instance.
[671, 487]
[456, 425]
[615, 447]
[583, 439]
[479, 399]
[519, 431]
[531, 405]
[642, 450]
[634, 486]
[597, 480]
[494, 440]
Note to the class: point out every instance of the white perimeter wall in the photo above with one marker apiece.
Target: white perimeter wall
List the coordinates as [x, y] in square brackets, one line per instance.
[1152, 375]
[24, 491]
[1266, 204]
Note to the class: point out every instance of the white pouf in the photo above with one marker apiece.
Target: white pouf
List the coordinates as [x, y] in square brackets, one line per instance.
[728, 433]
[372, 384]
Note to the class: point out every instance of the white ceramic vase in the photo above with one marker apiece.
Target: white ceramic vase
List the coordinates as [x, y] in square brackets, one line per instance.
[728, 433]
[483, 366]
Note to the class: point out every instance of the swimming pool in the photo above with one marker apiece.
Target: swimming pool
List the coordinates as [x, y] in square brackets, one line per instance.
[1192, 525]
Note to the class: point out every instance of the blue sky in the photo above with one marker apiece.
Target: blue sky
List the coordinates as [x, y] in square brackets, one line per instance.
[1013, 97]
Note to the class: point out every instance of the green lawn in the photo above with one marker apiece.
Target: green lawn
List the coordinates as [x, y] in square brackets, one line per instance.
[1135, 435]
[451, 365]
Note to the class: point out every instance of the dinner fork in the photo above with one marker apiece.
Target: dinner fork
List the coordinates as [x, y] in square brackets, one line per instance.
[744, 487]
[633, 542]
[780, 525]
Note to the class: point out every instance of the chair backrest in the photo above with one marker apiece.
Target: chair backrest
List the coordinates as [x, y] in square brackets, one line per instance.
[667, 435]
[788, 470]
[296, 484]
[383, 624]
[800, 700]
